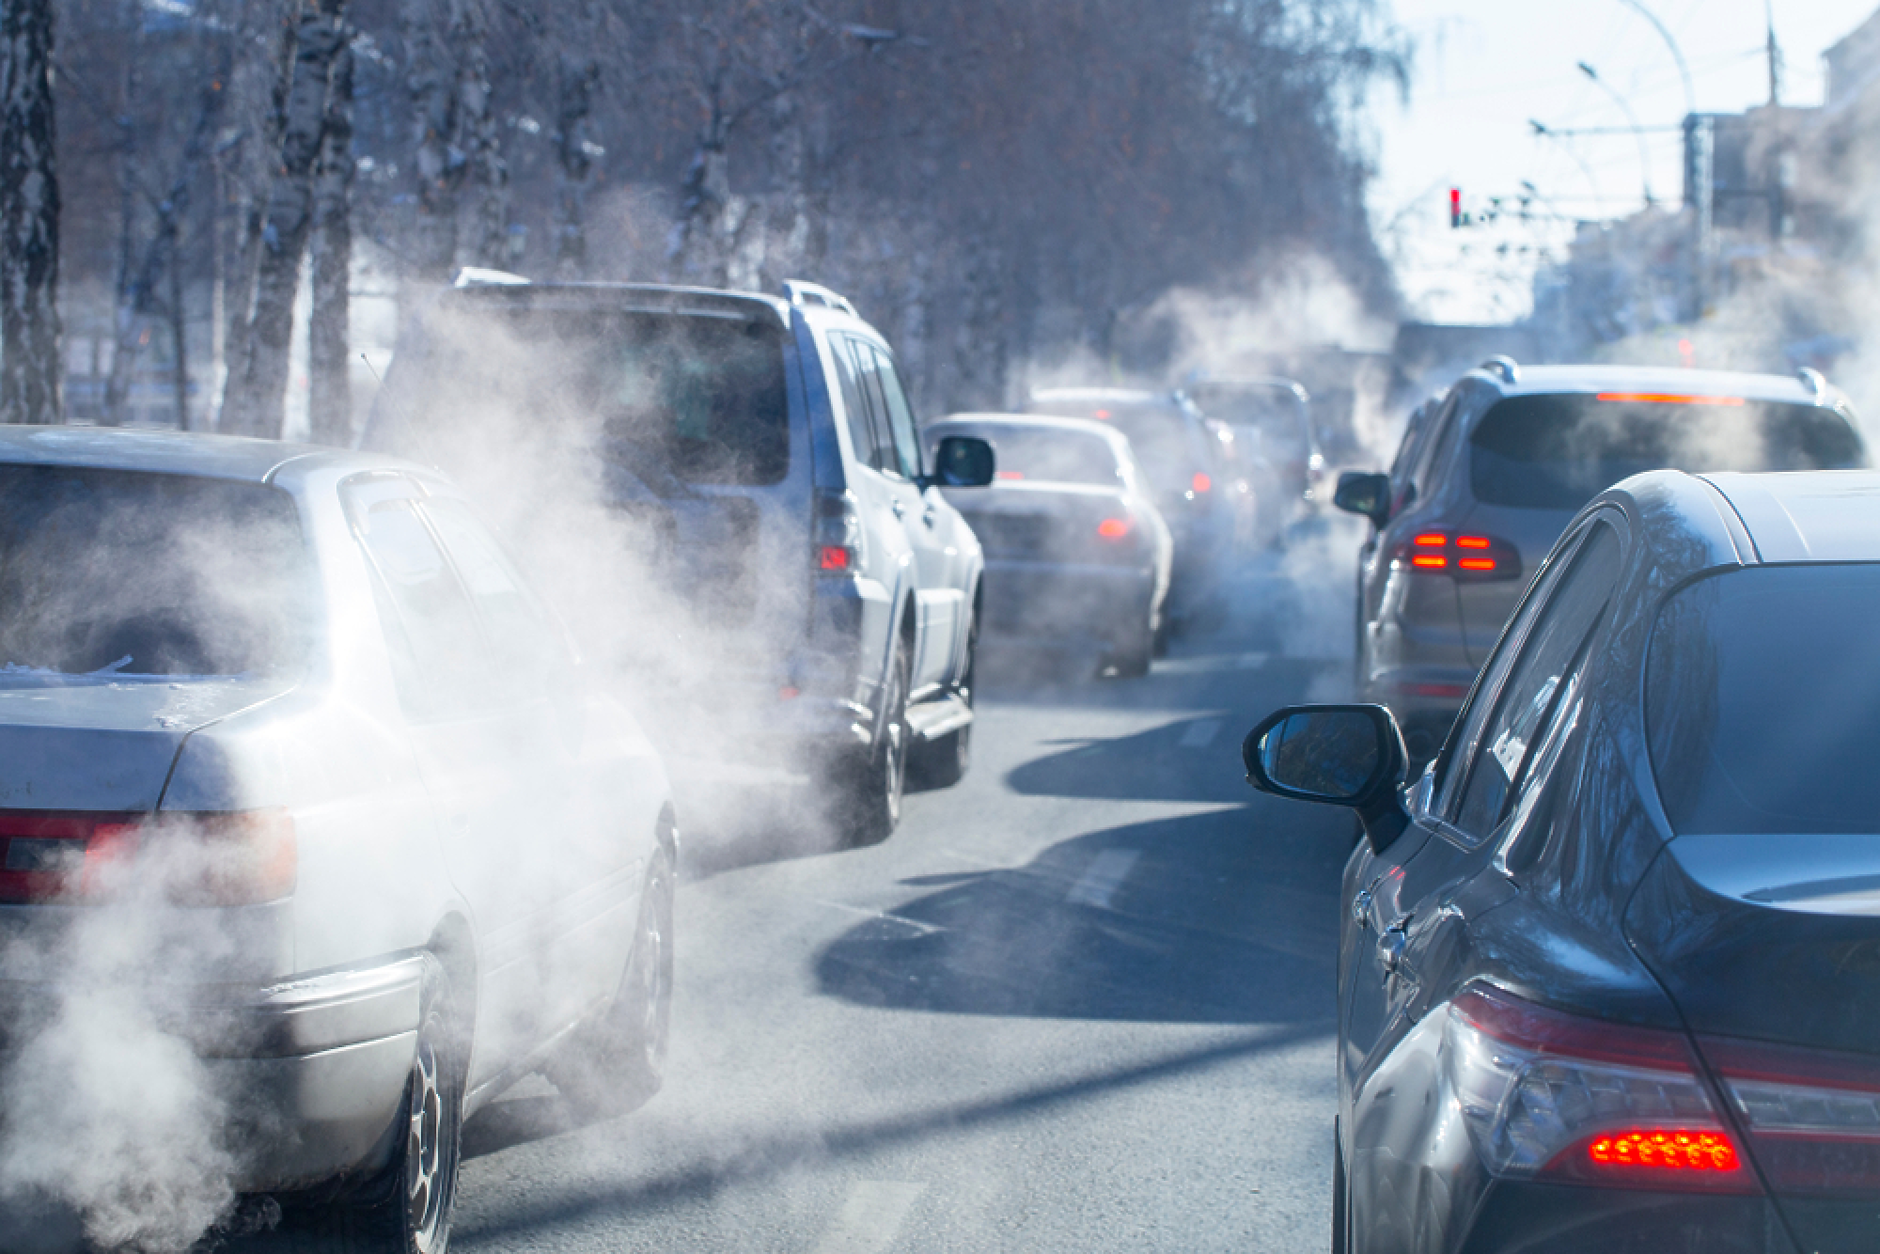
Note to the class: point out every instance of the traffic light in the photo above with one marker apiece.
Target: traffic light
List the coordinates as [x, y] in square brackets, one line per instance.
[1455, 207]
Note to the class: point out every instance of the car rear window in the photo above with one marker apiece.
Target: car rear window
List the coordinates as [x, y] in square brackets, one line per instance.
[1052, 456]
[1273, 413]
[696, 398]
[1558, 452]
[130, 573]
[1158, 436]
[1763, 702]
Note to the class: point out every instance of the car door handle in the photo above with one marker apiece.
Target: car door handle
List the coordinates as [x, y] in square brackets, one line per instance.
[928, 515]
[1361, 908]
[899, 508]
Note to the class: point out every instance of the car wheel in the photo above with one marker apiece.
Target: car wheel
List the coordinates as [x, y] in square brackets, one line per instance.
[880, 776]
[1341, 1203]
[1132, 658]
[406, 1208]
[1160, 637]
[942, 763]
[618, 1063]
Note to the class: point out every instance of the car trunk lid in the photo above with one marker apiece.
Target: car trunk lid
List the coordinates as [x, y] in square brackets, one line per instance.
[1770, 948]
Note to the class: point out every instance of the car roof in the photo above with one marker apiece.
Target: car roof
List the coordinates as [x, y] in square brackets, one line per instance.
[1033, 422]
[1807, 516]
[1101, 396]
[173, 452]
[1543, 380]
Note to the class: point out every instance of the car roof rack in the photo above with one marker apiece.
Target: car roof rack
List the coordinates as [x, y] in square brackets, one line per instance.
[799, 292]
[1507, 367]
[478, 276]
[1816, 381]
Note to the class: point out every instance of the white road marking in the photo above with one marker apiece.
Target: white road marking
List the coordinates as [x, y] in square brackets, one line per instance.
[1201, 734]
[924, 929]
[870, 1218]
[1103, 877]
[1251, 661]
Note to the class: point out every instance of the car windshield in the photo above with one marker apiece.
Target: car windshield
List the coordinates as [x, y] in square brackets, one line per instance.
[1763, 702]
[1052, 456]
[1559, 452]
[694, 398]
[129, 573]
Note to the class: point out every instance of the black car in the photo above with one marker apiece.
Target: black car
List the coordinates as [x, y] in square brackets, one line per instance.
[1608, 971]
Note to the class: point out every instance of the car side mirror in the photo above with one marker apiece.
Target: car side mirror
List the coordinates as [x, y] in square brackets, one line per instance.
[1366, 494]
[962, 461]
[1342, 755]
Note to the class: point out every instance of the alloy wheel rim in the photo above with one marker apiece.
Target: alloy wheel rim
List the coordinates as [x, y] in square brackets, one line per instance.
[424, 1150]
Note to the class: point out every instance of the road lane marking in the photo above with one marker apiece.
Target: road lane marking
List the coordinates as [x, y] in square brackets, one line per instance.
[1103, 877]
[1251, 661]
[1201, 734]
[870, 1218]
[923, 929]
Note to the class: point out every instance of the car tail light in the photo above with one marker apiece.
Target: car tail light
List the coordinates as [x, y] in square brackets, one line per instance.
[1555, 1096]
[1113, 528]
[1469, 557]
[221, 859]
[1201, 484]
[1008, 474]
[1813, 1118]
[1670, 398]
[839, 536]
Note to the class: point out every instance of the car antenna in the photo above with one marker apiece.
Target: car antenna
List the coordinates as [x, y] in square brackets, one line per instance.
[418, 431]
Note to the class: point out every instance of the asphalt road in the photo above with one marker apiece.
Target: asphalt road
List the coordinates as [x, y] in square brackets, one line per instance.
[1081, 1001]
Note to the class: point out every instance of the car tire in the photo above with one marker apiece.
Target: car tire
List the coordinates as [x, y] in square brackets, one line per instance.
[879, 778]
[406, 1207]
[942, 763]
[1160, 636]
[1132, 658]
[1341, 1202]
[618, 1063]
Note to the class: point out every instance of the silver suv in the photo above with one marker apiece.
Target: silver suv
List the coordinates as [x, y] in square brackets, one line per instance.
[798, 590]
[1489, 476]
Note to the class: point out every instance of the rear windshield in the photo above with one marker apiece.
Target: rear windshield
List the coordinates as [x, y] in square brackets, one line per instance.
[1272, 414]
[1559, 452]
[106, 572]
[1158, 436]
[1052, 456]
[1763, 702]
[688, 397]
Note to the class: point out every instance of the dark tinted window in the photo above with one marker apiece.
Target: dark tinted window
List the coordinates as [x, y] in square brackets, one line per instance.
[862, 435]
[889, 458]
[1763, 701]
[1558, 452]
[702, 399]
[131, 573]
[1026, 453]
[1547, 661]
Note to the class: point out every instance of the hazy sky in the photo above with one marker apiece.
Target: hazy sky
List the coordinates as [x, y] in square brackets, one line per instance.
[1483, 68]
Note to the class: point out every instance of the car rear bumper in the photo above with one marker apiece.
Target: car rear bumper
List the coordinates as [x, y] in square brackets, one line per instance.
[311, 1072]
[1566, 1219]
[1066, 600]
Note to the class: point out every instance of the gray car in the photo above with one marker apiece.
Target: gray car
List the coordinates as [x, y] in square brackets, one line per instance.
[1077, 555]
[1488, 477]
[311, 819]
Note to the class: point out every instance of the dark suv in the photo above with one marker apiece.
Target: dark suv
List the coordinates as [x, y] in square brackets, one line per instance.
[741, 499]
[1488, 477]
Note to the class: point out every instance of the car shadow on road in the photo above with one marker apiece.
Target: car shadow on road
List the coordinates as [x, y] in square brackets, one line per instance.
[1205, 918]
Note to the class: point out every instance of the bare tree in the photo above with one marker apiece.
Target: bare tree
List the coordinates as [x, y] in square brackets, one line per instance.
[258, 390]
[329, 364]
[32, 363]
[577, 78]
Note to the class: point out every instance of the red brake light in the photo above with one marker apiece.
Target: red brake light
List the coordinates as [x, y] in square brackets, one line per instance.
[1113, 528]
[1473, 542]
[1661, 1149]
[834, 558]
[1103, 414]
[1201, 483]
[1462, 557]
[228, 859]
[1477, 563]
[1670, 398]
[1429, 561]
[1009, 474]
[1431, 540]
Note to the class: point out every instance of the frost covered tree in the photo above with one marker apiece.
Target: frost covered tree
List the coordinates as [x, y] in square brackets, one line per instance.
[31, 352]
